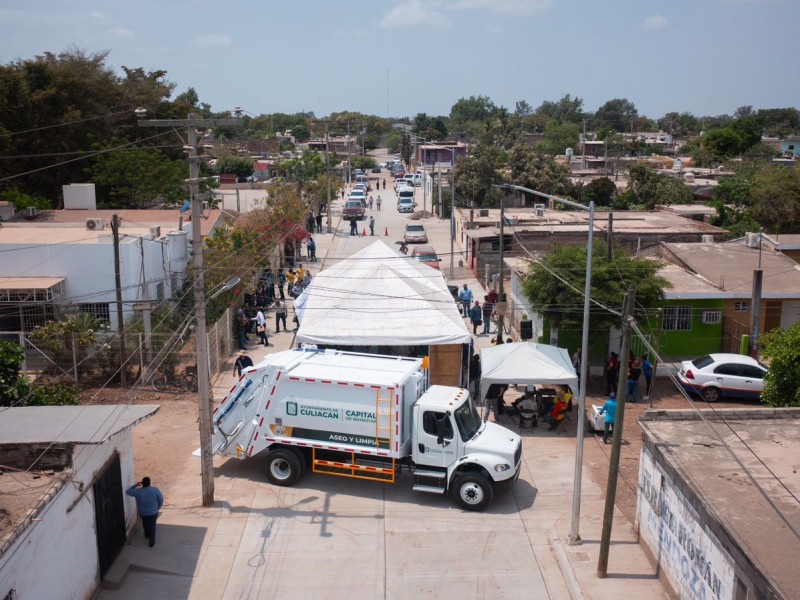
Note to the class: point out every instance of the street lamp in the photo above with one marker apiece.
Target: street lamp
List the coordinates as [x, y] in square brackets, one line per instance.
[574, 536]
[205, 398]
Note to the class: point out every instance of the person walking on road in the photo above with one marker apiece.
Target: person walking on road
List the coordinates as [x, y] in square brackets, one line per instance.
[311, 245]
[280, 315]
[378, 203]
[281, 283]
[384, 184]
[353, 227]
[465, 297]
[319, 221]
[242, 362]
[610, 411]
[370, 202]
[371, 225]
[149, 501]
[647, 371]
[632, 389]
[475, 317]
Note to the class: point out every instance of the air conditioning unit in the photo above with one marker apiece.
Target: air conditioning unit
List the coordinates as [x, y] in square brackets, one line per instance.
[752, 240]
[707, 239]
[92, 224]
[155, 232]
[711, 317]
[538, 209]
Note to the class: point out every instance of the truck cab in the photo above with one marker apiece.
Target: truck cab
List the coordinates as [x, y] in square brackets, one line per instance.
[454, 450]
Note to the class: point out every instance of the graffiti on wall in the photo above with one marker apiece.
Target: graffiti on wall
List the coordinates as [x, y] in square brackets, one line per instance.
[693, 561]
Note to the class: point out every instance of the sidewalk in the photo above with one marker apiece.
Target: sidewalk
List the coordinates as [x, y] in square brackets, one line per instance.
[331, 537]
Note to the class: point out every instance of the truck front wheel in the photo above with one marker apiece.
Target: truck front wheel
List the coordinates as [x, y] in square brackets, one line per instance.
[472, 492]
[283, 467]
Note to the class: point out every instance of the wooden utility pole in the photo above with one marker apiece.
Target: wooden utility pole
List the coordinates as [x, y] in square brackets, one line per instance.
[613, 468]
[501, 295]
[123, 355]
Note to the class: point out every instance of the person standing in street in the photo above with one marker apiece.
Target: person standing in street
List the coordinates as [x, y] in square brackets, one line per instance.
[261, 326]
[610, 411]
[149, 501]
[612, 372]
[243, 322]
[488, 309]
[311, 245]
[632, 389]
[242, 362]
[319, 221]
[370, 202]
[647, 371]
[465, 297]
[353, 227]
[475, 317]
[384, 184]
[281, 283]
[371, 225]
[311, 223]
[378, 203]
[280, 315]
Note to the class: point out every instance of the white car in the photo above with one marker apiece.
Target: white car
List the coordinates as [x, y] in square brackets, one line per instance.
[415, 234]
[716, 375]
[406, 205]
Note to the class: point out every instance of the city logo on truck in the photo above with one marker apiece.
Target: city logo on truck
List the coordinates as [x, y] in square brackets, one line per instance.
[359, 416]
[322, 412]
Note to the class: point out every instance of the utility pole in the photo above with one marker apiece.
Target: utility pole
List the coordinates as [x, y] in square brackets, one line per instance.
[755, 313]
[123, 354]
[610, 233]
[205, 398]
[501, 296]
[328, 181]
[347, 172]
[583, 146]
[146, 313]
[452, 211]
[613, 468]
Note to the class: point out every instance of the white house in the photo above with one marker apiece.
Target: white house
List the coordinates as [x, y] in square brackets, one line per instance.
[67, 513]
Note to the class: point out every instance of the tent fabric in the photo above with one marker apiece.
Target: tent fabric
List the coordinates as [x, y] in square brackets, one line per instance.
[526, 363]
[378, 297]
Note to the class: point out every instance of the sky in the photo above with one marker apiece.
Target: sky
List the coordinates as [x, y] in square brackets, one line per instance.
[396, 58]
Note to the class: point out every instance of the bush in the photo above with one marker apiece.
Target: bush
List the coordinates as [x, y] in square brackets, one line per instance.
[782, 384]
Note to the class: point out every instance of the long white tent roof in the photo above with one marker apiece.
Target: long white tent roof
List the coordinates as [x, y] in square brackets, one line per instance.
[379, 297]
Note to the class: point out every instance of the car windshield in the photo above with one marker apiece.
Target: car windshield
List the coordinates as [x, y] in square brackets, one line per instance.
[467, 420]
[357, 193]
[353, 204]
[415, 228]
[427, 257]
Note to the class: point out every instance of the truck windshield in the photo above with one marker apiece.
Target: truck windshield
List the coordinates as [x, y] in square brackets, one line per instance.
[467, 420]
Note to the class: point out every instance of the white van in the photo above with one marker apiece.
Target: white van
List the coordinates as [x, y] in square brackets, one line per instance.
[363, 179]
[405, 193]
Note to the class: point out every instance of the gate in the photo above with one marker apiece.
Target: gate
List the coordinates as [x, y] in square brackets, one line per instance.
[109, 514]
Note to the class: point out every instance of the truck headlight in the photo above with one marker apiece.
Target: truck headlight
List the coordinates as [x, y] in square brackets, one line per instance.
[502, 467]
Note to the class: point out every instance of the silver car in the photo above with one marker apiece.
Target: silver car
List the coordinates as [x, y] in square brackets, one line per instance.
[415, 234]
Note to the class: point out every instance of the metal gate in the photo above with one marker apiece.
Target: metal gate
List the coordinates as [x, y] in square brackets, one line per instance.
[109, 514]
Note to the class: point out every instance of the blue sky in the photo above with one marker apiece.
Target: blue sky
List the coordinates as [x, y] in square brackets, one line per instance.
[707, 57]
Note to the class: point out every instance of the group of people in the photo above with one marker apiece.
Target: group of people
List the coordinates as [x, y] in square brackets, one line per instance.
[478, 314]
[637, 366]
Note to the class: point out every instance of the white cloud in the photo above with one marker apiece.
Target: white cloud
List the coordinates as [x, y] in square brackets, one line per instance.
[654, 22]
[213, 40]
[523, 8]
[413, 13]
[123, 33]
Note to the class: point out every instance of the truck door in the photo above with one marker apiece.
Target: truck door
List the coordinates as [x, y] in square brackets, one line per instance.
[434, 441]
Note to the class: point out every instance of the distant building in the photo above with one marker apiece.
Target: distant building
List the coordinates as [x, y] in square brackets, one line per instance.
[790, 146]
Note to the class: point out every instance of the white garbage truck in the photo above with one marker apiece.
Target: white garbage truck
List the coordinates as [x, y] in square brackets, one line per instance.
[365, 416]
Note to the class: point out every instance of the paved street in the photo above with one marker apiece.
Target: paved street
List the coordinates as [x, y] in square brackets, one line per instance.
[331, 538]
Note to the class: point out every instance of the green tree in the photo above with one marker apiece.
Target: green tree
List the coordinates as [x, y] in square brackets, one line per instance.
[538, 171]
[394, 140]
[547, 293]
[241, 166]
[304, 169]
[17, 391]
[782, 384]
[615, 114]
[565, 110]
[477, 172]
[601, 191]
[470, 115]
[137, 178]
[557, 138]
[21, 200]
[775, 197]
[648, 187]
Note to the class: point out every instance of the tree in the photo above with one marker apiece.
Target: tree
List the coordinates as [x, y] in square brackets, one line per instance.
[601, 191]
[782, 383]
[565, 110]
[615, 114]
[137, 178]
[469, 115]
[394, 140]
[304, 169]
[522, 108]
[241, 166]
[21, 200]
[477, 172]
[557, 138]
[17, 391]
[648, 187]
[775, 197]
[557, 302]
[405, 150]
[538, 171]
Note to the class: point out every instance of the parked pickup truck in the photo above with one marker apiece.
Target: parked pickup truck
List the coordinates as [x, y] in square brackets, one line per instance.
[353, 209]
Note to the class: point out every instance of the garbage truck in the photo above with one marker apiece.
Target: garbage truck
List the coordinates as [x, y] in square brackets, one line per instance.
[365, 416]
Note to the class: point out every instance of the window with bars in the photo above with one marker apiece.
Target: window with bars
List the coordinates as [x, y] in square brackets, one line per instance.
[741, 307]
[99, 310]
[678, 318]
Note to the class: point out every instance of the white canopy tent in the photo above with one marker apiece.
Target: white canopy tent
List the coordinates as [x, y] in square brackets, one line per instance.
[526, 363]
[378, 297]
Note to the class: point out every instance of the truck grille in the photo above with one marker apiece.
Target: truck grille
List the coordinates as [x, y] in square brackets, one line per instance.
[518, 454]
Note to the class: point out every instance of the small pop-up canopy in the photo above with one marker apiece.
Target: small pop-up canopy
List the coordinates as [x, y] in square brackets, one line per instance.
[526, 363]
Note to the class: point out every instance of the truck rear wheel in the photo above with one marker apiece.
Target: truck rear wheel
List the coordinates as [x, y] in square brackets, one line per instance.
[472, 492]
[283, 467]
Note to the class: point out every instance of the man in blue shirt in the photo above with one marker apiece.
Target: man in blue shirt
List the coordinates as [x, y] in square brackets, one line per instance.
[647, 371]
[148, 502]
[610, 411]
[465, 297]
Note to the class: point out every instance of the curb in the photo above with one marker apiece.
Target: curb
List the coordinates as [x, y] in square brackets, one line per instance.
[565, 566]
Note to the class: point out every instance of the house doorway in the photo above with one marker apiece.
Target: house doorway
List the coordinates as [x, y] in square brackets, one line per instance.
[109, 514]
